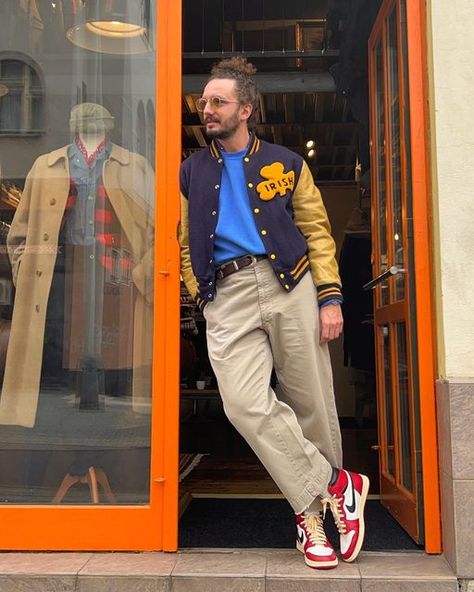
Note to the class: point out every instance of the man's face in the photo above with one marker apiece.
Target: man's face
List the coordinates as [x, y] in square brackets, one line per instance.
[224, 121]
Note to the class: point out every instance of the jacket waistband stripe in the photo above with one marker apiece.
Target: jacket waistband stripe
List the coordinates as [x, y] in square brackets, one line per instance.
[301, 262]
[301, 271]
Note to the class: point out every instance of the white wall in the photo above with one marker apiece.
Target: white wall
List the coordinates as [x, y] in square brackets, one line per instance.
[451, 41]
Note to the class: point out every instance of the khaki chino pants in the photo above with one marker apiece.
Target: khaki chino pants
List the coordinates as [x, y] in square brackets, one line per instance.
[253, 325]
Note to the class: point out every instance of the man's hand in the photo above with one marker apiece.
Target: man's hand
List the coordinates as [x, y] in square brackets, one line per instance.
[330, 322]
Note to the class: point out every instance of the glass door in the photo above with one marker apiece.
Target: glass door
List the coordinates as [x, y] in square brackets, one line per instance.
[89, 274]
[396, 346]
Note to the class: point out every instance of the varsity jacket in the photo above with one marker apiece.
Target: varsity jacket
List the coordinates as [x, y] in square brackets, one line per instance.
[288, 211]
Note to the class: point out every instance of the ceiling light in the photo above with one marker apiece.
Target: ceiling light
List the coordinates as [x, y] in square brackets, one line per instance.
[115, 26]
[310, 144]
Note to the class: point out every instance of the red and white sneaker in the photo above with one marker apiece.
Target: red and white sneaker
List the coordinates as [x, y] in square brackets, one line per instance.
[311, 540]
[347, 501]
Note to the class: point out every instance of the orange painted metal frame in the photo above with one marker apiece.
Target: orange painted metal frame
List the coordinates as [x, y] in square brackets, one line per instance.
[419, 117]
[154, 526]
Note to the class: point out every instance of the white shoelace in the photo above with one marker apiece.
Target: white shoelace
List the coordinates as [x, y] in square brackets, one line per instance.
[334, 505]
[314, 524]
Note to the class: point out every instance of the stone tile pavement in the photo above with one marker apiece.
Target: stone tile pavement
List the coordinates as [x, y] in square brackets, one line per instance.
[222, 570]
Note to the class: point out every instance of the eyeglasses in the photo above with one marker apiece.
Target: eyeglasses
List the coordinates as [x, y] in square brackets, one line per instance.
[215, 103]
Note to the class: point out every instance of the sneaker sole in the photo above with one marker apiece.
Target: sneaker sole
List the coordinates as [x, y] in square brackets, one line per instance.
[363, 498]
[316, 564]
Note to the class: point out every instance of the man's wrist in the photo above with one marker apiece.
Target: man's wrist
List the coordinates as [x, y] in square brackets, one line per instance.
[333, 300]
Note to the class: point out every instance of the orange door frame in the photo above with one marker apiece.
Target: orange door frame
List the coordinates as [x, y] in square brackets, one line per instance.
[153, 526]
[425, 319]
[418, 106]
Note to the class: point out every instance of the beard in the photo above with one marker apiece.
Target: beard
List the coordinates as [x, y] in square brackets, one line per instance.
[227, 128]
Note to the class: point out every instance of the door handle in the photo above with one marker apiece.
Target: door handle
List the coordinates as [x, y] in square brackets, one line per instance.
[391, 271]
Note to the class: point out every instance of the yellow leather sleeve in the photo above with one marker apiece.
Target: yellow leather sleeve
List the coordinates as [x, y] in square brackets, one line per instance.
[311, 218]
[187, 274]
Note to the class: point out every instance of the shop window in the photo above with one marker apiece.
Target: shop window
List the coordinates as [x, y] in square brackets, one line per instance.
[77, 217]
[21, 98]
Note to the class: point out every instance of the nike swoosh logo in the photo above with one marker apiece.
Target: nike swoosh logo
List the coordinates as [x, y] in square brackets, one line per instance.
[300, 536]
[351, 507]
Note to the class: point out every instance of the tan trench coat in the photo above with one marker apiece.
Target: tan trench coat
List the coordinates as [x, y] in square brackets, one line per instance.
[32, 246]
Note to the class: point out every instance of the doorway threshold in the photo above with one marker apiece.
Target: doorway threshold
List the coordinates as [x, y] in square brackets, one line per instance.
[252, 521]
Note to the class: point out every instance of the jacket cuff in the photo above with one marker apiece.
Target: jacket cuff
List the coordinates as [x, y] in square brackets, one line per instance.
[329, 291]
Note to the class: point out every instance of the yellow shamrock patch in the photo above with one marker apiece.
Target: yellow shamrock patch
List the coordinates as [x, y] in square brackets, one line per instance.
[277, 181]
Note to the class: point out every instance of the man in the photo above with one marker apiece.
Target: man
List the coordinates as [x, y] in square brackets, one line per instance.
[259, 259]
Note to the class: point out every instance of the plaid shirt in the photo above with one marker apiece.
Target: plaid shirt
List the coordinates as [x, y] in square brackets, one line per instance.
[89, 218]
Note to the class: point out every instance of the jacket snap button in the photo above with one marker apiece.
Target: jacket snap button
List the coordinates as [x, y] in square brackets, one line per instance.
[282, 275]
[257, 210]
[211, 236]
[250, 185]
[287, 286]
[273, 256]
[264, 232]
[246, 159]
[213, 212]
[216, 186]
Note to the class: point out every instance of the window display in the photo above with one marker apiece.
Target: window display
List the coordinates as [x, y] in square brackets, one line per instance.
[76, 260]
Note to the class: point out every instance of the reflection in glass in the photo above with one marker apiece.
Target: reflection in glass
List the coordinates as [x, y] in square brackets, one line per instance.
[387, 390]
[76, 276]
[21, 98]
[406, 447]
[380, 160]
[396, 163]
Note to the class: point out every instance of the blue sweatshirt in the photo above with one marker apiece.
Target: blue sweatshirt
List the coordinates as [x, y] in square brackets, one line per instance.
[236, 231]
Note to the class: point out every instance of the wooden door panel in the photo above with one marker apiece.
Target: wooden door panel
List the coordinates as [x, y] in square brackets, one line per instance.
[396, 358]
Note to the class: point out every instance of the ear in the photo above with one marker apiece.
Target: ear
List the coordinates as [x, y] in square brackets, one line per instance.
[245, 112]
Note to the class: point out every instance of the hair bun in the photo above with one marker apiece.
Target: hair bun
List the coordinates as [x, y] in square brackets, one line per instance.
[237, 64]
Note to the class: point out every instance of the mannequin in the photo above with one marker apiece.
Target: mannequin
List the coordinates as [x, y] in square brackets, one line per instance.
[95, 198]
[86, 249]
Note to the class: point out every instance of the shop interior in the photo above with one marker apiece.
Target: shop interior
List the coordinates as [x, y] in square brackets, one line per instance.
[311, 60]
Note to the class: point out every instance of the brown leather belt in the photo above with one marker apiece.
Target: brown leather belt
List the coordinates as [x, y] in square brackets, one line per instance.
[236, 265]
